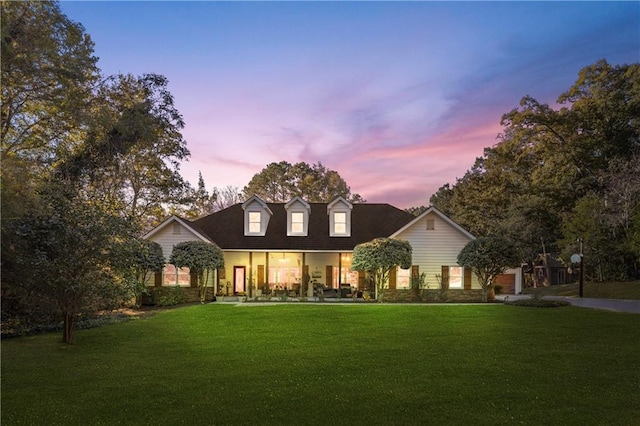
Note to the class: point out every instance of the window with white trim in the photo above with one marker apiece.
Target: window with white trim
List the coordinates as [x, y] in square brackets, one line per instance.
[255, 222]
[297, 222]
[339, 223]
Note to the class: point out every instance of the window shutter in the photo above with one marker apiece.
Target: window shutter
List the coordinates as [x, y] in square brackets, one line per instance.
[467, 278]
[219, 277]
[415, 271]
[193, 280]
[157, 279]
[329, 280]
[445, 276]
[260, 276]
[361, 278]
[393, 274]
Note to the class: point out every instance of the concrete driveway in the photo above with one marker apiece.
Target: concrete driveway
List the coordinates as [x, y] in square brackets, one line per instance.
[617, 305]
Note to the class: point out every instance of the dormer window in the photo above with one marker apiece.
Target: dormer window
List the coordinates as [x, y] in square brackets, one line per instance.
[256, 217]
[297, 222]
[297, 217]
[255, 222]
[339, 211]
[339, 223]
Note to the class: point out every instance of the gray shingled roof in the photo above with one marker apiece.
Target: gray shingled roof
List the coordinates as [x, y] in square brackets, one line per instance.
[368, 221]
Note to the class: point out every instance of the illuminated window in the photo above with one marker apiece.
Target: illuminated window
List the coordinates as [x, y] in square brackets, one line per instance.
[254, 222]
[281, 277]
[297, 223]
[403, 278]
[256, 217]
[173, 276]
[339, 223]
[339, 211]
[455, 277]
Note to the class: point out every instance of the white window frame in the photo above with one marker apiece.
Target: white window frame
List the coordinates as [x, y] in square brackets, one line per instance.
[252, 222]
[253, 208]
[339, 226]
[297, 223]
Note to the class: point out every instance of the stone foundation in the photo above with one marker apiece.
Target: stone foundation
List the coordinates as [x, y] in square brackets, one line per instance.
[432, 296]
[191, 294]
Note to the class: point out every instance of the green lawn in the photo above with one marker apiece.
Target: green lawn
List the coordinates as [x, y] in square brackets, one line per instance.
[328, 364]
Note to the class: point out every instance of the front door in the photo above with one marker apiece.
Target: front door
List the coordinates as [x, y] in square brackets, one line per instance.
[238, 279]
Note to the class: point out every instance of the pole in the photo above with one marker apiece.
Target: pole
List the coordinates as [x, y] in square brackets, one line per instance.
[581, 285]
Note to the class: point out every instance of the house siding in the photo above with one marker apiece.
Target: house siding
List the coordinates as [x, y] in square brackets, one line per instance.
[168, 239]
[435, 248]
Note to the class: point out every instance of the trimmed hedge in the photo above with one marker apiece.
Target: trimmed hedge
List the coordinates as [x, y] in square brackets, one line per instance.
[539, 303]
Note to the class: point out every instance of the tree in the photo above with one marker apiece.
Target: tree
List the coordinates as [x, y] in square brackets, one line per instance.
[226, 197]
[202, 203]
[87, 162]
[201, 258]
[416, 211]
[132, 148]
[489, 257]
[607, 223]
[74, 261]
[48, 73]
[280, 182]
[142, 257]
[547, 159]
[379, 257]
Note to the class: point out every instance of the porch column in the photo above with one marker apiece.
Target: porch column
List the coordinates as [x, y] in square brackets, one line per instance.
[266, 272]
[250, 292]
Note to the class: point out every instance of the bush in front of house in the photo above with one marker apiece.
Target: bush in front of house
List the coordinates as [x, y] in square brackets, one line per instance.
[169, 296]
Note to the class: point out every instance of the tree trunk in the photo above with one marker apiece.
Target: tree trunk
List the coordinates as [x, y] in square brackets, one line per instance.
[67, 331]
[202, 284]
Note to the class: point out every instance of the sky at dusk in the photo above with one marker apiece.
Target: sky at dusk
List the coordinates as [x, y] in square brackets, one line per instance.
[398, 97]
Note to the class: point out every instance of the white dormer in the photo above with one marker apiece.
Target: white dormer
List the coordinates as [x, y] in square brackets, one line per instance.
[298, 212]
[256, 217]
[339, 211]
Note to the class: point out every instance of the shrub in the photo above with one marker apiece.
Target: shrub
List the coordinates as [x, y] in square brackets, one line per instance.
[539, 303]
[169, 296]
[14, 327]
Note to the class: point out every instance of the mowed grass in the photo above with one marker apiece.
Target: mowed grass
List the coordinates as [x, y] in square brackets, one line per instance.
[333, 364]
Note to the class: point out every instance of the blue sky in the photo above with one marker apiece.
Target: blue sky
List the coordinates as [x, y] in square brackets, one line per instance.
[398, 97]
